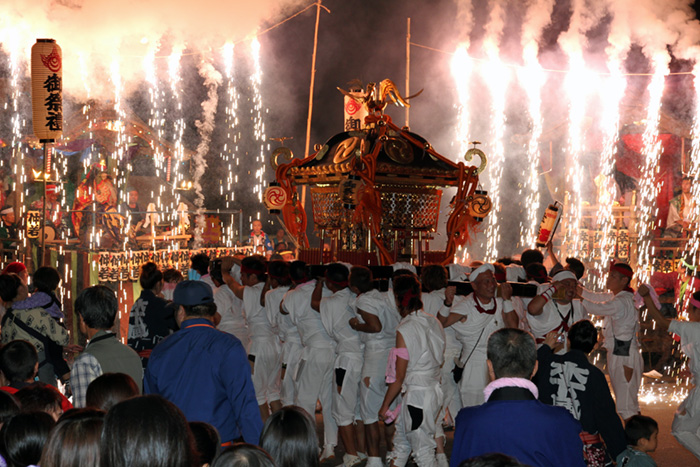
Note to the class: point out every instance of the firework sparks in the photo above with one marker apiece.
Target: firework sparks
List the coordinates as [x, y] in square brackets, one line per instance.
[652, 153]
[612, 95]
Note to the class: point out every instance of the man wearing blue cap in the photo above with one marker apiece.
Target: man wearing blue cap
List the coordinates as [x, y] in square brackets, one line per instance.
[204, 371]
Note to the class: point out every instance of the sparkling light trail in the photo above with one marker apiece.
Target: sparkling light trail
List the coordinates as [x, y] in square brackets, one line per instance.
[612, 94]
[648, 189]
[461, 71]
[532, 78]
[257, 113]
[497, 76]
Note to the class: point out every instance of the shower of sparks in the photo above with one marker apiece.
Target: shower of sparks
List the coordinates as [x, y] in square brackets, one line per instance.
[692, 246]
[497, 76]
[229, 153]
[577, 83]
[230, 149]
[17, 129]
[178, 120]
[461, 72]
[652, 153]
[532, 78]
[613, 92]
[259, 124]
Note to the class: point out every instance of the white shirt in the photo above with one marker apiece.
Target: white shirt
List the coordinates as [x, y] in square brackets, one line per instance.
[375, 303]
[475, 331]
[297, 302]
[336, 312]
[621, 317]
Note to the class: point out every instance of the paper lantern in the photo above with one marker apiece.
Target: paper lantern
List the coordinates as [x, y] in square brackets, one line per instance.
[274, 198]
[47, 90]
[33, 224]
[479, 205]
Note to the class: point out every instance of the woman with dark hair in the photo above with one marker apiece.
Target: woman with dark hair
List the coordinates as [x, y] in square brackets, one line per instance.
[244, 455]
[109, 389]
[414, 364]
[150, 319]
[289, 435]
[75, 440]
[146, 431]
[23, 437]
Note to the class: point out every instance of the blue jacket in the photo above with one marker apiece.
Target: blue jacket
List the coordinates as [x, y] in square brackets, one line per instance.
[205, 372]
[513, 422]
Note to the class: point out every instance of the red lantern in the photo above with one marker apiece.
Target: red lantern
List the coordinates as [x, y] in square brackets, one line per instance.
[47, 90]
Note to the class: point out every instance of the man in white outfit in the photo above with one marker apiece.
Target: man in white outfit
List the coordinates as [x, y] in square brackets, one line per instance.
[555, 309]
[264, 354]
[314, 379]
[620, 328]
[336, 313]
[376, 321]
[474, 318]
[230, 307]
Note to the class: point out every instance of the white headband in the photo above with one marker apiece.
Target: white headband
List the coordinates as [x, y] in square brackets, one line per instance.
[562, 275]
[483, 268]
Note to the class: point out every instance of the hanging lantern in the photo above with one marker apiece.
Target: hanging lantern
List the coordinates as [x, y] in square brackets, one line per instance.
[33, 224]
[47, 90]
[348, 191]
[274, 198]
[479, 205]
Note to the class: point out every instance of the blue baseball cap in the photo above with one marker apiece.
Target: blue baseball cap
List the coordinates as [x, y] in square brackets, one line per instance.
[192, 293]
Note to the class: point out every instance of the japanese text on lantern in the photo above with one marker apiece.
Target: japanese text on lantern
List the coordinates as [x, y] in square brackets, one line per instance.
[54, 107]
[33, 224]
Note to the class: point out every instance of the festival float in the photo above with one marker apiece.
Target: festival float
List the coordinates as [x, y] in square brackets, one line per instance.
[376, 190]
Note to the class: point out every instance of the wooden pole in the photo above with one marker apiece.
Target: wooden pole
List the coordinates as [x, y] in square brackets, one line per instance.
[40, 259]
[408, 63]
[311, 94]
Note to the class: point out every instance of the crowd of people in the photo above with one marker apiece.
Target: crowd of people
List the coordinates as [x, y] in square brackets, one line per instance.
[228, 366]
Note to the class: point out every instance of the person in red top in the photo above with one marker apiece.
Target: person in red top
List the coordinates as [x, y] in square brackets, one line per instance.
[19, 363]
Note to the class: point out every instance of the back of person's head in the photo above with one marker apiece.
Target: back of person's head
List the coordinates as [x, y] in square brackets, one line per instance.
[244, 455]
[75, 440]
[499, 272]
[200, 263]
[40, 397]
[279, 271]
[337, 275]
[196, 298]
[638, 427]
[254, 265]
[207, 441]
[361, 278]
[215, 272]
[576, 266]
[512, 353]
[46, 279]
[536, 272]
[407, 294]
[492, 460]
[9, 407]
[97, 306]
[289, 436]
[109, 389]
[146, 431]
[9, 283]
[583, 336]
[433, 277]
[172, 275]
[150, 275]
[18, 361]
[531, 256]
[299, 272]
[23, 438]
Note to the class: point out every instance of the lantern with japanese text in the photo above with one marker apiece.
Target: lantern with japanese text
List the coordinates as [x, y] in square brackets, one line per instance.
[47, 90]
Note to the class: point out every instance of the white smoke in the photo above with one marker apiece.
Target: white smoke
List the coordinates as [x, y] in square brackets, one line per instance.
[205, 128]
[103, 31]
